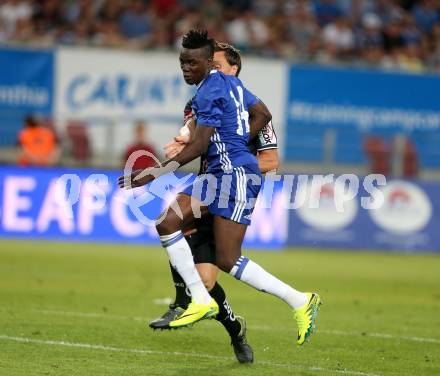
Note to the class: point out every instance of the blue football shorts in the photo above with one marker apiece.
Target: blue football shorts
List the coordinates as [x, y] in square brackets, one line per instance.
[229, 195]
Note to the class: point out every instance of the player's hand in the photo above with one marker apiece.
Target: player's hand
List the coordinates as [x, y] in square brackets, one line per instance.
[183, 139]
[173, 148]
[137, 178]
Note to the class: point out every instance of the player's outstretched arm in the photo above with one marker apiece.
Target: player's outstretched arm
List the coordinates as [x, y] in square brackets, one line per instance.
[195, 148]
[259, 116]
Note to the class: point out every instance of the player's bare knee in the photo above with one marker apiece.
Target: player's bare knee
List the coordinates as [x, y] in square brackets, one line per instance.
[208, 281]
[167, 225]
[161, 228]
[225, 264]
[208, 275]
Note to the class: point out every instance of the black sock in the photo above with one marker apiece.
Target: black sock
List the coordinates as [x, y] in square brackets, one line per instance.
[182, 297]
[225, 314]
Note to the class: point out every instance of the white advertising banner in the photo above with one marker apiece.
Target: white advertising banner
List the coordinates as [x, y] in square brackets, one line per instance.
[118, 87]
[95, 82]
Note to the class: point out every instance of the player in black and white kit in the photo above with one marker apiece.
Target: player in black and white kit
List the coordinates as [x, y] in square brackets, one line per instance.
[201, 236]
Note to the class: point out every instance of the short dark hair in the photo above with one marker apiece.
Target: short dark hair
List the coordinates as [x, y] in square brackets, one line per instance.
[194, 39]
[232, 54]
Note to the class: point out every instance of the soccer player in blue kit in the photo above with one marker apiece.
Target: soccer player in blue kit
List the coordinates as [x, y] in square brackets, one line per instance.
[200, 236]
[221, 106]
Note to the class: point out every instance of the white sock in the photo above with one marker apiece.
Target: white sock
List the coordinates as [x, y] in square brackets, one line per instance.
[254, 275]
[182, 260]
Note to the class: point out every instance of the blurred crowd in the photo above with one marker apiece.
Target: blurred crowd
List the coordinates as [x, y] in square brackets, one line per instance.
[389, 34]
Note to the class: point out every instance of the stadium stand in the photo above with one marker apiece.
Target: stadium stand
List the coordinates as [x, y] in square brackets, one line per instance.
[389, 34]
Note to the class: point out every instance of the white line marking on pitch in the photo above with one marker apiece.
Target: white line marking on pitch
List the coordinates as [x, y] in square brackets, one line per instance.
[253, 327]
[381, 335]
[89, 346]
[89, 314]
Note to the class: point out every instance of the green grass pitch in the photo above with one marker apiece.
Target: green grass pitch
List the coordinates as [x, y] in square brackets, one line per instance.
[82, 309]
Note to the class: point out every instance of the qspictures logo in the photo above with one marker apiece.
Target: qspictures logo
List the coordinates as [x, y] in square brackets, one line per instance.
[324, 201]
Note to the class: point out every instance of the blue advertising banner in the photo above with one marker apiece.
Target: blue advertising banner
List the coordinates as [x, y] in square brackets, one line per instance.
[34, 206]
[406, 218]
[355, 104]
[26, 86]
[291, 211]
[366, 100]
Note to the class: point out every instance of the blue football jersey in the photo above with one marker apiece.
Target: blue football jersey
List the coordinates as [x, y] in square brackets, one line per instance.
[222, 102]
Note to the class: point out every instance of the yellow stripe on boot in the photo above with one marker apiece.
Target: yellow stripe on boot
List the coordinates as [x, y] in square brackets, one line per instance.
[195, 312]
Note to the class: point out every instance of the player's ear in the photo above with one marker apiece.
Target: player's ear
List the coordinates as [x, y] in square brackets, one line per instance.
[234, 69]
